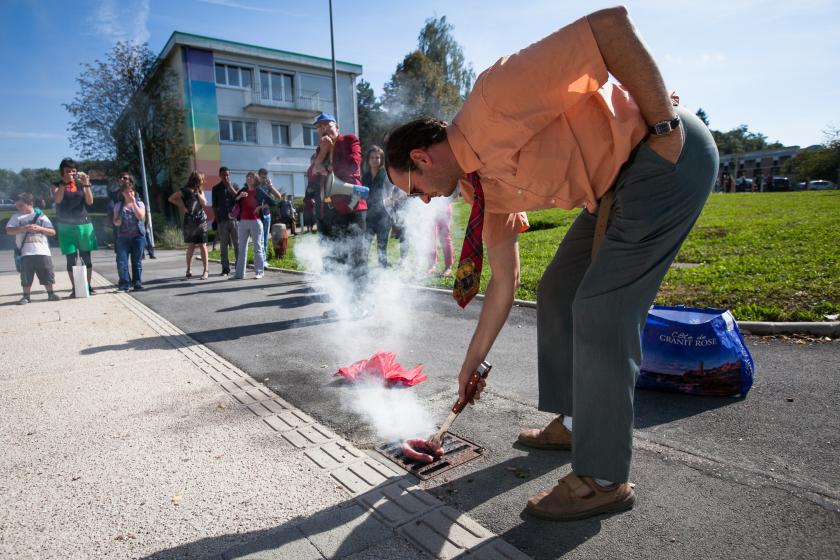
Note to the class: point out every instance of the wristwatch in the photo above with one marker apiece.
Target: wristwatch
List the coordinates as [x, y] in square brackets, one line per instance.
[663, 128]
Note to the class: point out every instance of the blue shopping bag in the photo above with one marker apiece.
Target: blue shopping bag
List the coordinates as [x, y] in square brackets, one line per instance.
[694, 351]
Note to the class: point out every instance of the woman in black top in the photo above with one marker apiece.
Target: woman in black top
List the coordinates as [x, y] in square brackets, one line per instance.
[72, 196]
[378, 218]
[191, 201]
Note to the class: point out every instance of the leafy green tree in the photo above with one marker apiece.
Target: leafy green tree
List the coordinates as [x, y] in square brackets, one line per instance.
[115, 98]
[740, 140]
[105, 88]
[432, 80]
[9, 181]
[701, 114]
[819, 162]
[373, 121]
[38, 181]
[437, 43]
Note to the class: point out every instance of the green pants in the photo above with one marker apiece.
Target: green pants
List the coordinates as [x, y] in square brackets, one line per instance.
[590, 312]
[75, 237]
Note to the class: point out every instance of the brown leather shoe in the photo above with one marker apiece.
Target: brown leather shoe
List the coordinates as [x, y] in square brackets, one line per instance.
[553, 436]
[578, 497]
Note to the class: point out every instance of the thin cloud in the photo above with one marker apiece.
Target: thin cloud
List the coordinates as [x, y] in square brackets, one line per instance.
[120, 22]
[16, 135]
[240, 6]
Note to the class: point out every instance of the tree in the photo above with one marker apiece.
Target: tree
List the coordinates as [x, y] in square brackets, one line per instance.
[701, 114]
[157, 111]
[437, 43]
[38, 181]
[105, 88]
[115, 98]
[373, 121]
[432, 80]
[418, 88]
[740, 139]
[819, 162]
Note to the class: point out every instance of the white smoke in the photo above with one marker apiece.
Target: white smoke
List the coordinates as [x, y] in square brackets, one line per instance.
[394, 413]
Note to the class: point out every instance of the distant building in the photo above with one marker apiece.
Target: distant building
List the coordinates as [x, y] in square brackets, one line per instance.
[760, 163]
[249, 107]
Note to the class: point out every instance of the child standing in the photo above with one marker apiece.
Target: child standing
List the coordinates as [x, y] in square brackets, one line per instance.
[31, 228]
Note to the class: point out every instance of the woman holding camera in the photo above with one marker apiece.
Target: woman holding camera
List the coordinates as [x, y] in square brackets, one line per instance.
[72, 196]
[129, 219]
[191, 201]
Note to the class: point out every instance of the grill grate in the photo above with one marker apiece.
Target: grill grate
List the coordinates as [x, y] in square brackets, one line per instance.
[456, 452]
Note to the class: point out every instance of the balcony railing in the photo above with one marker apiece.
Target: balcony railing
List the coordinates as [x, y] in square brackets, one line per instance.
[301, 106]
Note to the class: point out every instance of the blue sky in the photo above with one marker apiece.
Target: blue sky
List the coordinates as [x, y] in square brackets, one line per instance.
[773, 64]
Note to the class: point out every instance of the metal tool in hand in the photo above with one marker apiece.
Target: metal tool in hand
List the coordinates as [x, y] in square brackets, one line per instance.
[480, 372]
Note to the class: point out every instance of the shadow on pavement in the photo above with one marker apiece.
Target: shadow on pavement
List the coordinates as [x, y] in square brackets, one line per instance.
[213, 335]
[285, 303]
[654, 407]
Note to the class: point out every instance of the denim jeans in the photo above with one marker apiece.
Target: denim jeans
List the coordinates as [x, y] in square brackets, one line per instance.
[134, 247]
[250, 229]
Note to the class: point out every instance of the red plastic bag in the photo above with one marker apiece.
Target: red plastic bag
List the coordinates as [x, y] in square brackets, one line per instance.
[383, 365]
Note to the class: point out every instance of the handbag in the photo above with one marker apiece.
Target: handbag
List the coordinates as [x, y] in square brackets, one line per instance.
[80, 281]
[695, 351]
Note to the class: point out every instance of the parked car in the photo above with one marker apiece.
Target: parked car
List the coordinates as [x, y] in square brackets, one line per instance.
[821, 185]
[7, 204]
[780, 184]
[743, 184]
[801, 186]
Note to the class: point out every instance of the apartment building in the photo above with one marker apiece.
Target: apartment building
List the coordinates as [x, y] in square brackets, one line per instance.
[249, 106]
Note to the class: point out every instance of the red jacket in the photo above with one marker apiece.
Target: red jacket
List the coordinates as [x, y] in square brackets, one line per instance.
[347, 159]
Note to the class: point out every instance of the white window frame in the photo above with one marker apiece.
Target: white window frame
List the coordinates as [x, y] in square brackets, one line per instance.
[231, 123]
[288, 134]
[310, 133]
[286, 97]
[239, 68]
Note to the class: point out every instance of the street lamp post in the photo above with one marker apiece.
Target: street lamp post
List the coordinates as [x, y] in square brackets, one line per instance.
[335, 75]
[145, 187]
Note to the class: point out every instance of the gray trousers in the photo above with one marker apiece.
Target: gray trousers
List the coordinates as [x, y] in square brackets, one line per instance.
[591, 312]
[252, 229]
[228, 235]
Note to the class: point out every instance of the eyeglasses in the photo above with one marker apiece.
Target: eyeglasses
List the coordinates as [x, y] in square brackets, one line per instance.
[411, 194]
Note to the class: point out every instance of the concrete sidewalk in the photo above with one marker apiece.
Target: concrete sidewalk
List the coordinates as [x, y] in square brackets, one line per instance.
[124, 438]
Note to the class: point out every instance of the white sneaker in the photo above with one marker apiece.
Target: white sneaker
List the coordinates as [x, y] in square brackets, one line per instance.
[258, 276]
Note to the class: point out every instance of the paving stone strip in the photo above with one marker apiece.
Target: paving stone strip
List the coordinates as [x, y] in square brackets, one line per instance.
[384, 501]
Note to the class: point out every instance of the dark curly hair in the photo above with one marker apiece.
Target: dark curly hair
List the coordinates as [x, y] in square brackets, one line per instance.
[419, 133]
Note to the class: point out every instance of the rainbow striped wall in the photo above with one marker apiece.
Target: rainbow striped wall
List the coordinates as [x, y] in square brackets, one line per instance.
[202, 115]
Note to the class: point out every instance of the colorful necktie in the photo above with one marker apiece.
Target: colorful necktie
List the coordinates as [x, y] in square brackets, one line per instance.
[468, 275]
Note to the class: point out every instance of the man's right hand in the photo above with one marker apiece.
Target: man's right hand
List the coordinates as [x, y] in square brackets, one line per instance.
[670, 146]
[326, 144]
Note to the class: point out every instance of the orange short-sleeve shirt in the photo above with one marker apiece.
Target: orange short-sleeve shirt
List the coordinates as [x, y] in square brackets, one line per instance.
[544, 129]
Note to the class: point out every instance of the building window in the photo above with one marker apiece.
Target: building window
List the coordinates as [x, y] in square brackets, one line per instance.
[276, 86]
[236, 76]
[310, 136]
[280, 134]
[237, 131]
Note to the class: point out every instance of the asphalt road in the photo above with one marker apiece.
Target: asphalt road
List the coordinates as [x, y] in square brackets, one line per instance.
[716, 477]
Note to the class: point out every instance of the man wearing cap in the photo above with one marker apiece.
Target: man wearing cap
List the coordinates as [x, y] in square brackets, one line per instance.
[341, 225]
[543, 128]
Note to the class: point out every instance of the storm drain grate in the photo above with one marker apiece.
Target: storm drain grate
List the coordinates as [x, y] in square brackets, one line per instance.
[456, 451]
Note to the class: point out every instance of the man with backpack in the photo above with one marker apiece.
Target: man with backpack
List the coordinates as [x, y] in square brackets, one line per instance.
[32, 250]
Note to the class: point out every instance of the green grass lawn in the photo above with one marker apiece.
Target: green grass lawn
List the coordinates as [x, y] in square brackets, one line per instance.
[765, 256]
